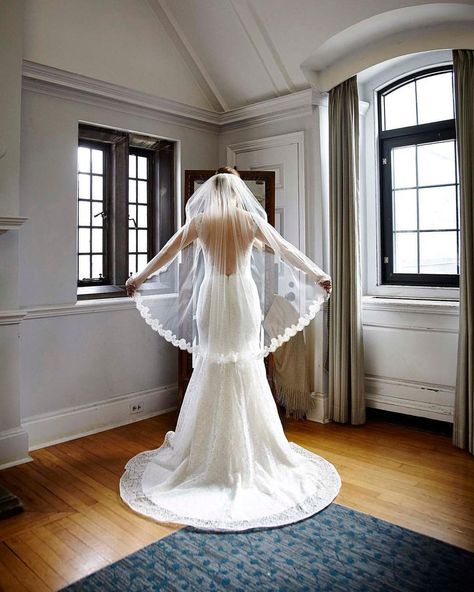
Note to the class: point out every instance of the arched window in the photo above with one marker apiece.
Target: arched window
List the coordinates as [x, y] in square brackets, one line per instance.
[419, 180]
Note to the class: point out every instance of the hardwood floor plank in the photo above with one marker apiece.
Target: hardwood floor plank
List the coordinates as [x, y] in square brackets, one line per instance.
[75, 521]
[31, 556]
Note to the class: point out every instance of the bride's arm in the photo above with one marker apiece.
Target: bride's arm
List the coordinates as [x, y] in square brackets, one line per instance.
[185, 235]
[291, 254]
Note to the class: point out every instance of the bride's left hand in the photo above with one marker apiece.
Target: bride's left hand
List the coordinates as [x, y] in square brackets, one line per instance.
[131, 285]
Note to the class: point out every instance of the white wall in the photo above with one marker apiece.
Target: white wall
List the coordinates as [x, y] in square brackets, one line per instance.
[13, 439]
[119, 41]
[81, 355]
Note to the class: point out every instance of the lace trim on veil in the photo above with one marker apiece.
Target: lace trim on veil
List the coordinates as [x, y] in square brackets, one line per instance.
[132, 493]
[275, 343]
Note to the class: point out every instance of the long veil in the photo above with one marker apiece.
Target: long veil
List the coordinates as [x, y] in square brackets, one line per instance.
[226, 237]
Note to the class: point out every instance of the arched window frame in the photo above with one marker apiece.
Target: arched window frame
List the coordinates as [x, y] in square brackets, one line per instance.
[387, 139]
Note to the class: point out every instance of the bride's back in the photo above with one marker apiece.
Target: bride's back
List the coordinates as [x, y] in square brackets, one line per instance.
[227, 237]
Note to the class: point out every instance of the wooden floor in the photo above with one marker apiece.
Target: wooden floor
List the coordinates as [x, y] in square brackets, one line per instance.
[75, 522]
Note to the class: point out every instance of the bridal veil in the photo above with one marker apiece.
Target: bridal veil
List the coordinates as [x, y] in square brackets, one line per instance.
[226, 233]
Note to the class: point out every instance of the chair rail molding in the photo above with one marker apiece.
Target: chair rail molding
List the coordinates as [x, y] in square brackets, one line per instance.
[11, 223]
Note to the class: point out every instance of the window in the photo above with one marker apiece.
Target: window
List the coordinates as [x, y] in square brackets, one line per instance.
[92, 212]
[126, 206]
[419, 180]
[139, 210]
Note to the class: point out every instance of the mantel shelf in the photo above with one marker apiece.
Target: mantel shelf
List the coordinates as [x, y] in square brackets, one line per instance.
[11, 223]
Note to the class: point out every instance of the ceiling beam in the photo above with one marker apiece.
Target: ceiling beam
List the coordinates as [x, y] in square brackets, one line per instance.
[266, 51]
[195, 65]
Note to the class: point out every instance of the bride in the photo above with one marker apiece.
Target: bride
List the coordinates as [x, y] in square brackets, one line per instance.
[238, 291]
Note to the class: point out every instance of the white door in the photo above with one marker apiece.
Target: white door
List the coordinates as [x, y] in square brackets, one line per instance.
[286, 160]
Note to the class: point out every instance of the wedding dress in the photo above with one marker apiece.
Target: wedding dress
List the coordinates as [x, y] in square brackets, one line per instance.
[228, 465]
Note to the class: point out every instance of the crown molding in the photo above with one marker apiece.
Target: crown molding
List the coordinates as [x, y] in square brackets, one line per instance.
[64, 84]
[61, 83]
[48, 80]
[291, 105]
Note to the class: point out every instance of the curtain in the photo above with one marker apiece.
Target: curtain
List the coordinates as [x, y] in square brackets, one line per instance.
[463, 432]
[346, 348]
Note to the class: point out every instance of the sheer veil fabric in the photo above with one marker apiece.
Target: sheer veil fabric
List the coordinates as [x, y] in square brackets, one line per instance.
[228, 289]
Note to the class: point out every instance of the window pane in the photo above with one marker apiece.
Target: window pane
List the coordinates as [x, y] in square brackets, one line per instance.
[97, 246]
[132, 267]
[84, 191]
[84, 272]
[436, 163]
[435, 98]
[84, 240]
[97, 208]
[400, 107]
[132, 165]
[438, 252]
[438, 207]
[404, 167]
[84, 213]
[97, 266]
[404, 208]
[142, 241]
[97, 161]
[142, 167]
[132, 241]
[142, 261]
[132, 191]
[142, 216]
[97, 187]
[83, 159]
[405, 250]
[132, 214]
[142, 196]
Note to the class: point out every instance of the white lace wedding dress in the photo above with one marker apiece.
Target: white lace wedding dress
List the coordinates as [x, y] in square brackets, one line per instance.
[228, 465]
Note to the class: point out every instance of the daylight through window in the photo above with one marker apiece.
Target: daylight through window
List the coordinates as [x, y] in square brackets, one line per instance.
[419, 181]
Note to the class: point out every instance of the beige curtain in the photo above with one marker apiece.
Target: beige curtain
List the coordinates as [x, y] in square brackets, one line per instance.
[346, 349]
[463, 429]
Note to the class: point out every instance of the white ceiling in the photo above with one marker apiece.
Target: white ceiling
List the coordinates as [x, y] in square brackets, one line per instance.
[245, 51]
[216, 55]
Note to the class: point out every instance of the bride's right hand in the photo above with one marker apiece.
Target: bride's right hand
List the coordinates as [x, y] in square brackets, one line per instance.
[131, 285]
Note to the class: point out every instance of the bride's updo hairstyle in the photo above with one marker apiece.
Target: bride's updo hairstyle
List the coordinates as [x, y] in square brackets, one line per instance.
[229, 170]
[222, 183]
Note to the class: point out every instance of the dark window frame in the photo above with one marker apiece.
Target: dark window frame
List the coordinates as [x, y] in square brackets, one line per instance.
[151, 202]
[106, 208]
[407, 136]
[161, 202]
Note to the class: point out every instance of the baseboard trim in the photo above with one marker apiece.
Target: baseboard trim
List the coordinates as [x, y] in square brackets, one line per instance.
[75, 422]
[399, 396]
[13, 447]
[319, 412]
[410, 397]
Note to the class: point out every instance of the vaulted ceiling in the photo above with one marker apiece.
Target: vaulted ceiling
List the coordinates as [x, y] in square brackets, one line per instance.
[245, 51]
[213, 54]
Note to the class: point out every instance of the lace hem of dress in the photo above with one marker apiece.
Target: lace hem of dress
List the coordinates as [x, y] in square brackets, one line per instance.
[183, 344]
[132, 494]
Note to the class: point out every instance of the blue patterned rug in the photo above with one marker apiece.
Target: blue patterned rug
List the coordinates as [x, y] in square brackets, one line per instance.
[337, 549]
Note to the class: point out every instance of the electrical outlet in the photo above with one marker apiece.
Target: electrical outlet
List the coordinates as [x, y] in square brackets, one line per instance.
[136, 408]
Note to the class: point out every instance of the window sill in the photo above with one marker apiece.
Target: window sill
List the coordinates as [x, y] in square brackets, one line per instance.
[411, 304]
[88, 292]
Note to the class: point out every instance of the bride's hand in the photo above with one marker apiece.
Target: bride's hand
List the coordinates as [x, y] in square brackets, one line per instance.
[327, 285]
[131, 285]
